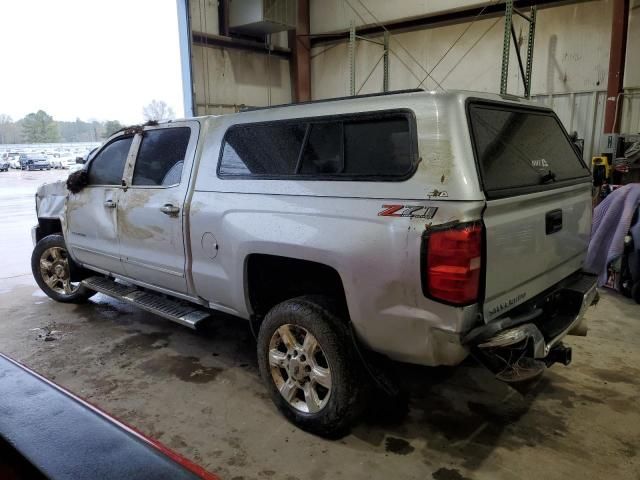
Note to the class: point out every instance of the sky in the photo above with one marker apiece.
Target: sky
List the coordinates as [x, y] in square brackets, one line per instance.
[89, 59]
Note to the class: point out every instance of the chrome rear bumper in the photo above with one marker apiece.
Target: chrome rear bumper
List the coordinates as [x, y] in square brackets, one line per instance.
[542, 345]
[535, 332]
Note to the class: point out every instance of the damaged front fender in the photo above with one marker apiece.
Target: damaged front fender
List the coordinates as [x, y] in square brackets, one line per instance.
[50, 200]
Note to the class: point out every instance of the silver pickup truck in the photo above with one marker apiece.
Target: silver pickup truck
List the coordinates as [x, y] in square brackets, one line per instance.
[420, 226]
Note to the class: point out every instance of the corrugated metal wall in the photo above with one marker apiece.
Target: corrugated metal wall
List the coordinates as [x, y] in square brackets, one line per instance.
[630, 118]
[583, 112]
[571, 60]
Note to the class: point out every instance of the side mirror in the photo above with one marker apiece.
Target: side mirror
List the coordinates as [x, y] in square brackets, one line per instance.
[80, 160]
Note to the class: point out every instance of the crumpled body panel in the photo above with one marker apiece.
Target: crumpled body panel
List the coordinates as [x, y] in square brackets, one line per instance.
[50, 199]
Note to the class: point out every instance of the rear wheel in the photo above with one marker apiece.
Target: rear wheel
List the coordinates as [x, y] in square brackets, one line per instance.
[51, 268]
[308, 363]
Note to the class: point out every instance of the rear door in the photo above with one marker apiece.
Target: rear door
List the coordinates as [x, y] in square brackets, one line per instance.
[151, 213]
[92, 218]
[538, 213]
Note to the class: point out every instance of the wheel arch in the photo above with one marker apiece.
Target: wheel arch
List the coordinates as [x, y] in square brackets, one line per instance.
[48, 226]
[271, 279]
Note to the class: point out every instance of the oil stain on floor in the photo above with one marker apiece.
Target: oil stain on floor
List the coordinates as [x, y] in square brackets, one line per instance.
[398, 446]
[187, 369]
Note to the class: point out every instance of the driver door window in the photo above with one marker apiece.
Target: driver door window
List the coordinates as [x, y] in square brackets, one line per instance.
[107, 166]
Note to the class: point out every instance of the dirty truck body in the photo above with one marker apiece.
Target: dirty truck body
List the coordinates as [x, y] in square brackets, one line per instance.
[437, 224]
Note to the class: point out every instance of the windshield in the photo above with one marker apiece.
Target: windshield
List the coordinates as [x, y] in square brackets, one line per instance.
[520, 150]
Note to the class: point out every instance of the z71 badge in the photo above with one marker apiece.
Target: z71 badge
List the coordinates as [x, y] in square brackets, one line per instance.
[413, 211]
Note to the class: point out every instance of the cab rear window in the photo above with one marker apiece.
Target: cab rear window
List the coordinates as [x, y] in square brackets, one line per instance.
[522, 150]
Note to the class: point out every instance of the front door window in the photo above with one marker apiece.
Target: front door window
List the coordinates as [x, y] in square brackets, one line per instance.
[107, 166]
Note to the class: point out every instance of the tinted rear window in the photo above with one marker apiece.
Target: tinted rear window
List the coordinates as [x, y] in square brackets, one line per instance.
[323, 150]
[261, 149]
[521, 150]
[161, 156]
[378, 145]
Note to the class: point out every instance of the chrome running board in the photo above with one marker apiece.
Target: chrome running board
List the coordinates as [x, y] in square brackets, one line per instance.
[180, 312]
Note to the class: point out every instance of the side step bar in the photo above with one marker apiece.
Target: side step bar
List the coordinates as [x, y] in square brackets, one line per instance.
[180, 312]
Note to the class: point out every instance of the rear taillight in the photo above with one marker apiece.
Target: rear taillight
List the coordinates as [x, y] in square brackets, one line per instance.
[452, 264]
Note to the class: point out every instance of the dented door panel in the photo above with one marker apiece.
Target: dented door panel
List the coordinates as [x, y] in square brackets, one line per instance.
[151, 241]
[152, 223]
[92, 227]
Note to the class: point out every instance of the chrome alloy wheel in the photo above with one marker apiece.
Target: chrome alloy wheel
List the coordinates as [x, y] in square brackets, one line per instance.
[54, 269]
[299, 368]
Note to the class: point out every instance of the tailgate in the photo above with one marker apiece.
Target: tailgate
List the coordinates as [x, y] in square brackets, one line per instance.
[538, 212]
[522, 258]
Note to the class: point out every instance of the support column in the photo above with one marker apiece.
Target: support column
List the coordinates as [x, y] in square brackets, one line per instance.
[617, 53]
[532, 36]
[352, 59]
[300, 44]
[385, 64]
[506, 47]
[184, 29]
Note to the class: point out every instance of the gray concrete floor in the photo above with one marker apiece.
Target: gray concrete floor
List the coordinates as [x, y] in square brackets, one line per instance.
[200, 393]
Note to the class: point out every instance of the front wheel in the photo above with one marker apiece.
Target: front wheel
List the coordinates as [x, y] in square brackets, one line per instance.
[51, 268]
[309, 366]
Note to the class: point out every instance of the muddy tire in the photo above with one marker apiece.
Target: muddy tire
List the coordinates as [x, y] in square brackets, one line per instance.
[51, 268]
[308, 363]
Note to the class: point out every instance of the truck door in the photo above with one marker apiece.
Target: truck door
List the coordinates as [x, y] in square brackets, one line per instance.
[151, 218]
[91, 214]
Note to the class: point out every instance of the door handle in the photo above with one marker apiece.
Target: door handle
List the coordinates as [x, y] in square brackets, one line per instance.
[170, 210]
[553, 221]
[110, 204]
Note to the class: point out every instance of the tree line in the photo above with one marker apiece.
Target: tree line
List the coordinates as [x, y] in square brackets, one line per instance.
[40, 127]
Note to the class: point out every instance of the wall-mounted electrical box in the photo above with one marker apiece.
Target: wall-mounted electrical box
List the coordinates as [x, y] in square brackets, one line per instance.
[261, 17]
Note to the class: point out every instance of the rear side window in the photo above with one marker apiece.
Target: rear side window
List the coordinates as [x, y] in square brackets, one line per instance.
[161, 156]
[521, 150]
[262, 149]
[377, 147]
[380, 145]
[107, 166]
[322, 153]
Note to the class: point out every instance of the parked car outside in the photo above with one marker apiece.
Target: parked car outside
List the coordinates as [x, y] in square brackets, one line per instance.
[68, 161]
[34, 161]
[4, 165]
[14, 159]
[54, 162]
